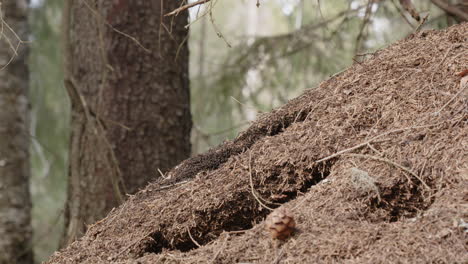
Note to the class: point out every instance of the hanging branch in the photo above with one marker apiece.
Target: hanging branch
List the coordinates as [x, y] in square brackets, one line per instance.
[452, 10]
[367, 17]
[187, 6]
[409, 7]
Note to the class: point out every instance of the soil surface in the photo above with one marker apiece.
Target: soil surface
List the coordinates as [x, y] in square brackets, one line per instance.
[372, 164]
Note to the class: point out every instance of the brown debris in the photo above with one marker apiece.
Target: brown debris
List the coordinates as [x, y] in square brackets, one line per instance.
[372, 163]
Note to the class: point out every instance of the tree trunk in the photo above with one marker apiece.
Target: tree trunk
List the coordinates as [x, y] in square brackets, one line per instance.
[15, 202]
[126, 71]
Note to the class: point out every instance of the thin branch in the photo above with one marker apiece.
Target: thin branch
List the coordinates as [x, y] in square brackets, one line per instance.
[96, 13]
[3, 25]
[252, 187]
[423, 21]
[453, 98]
[402, 14]
[373, 140]
[451, 9]
[187, 6]
[367, 17]
[220, 249]
[191, 237]
[391, 163]
[409, 7]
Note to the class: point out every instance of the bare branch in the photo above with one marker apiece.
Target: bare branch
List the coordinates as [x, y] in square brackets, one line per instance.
[187, 6]
[452, 10]
[409, 7]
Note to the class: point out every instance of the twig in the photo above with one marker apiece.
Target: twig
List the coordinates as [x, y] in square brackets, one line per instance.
[453, 98]
[14, 49]
[278, 258]
[372, 140]
[131, 245]
[78, 99]
[366, 20]
[218, 32]
[423, 21]
[252, 187]
[402, 14]
[374, 149]
[391, 163]
[438, 66]
[113, 28]
[410, 8]
[450, 9]
[219, 250]
[341, 152]
[171, 185]
[191, 237]
[247, 106]
[187, 6]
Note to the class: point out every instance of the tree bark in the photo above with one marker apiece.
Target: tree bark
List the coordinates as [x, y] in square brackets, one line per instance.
[126, 71]
[15, 201]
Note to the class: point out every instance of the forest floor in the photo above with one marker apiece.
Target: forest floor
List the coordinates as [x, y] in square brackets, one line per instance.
[373, 165]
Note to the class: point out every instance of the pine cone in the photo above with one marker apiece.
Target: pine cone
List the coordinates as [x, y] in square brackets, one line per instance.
[280, 223]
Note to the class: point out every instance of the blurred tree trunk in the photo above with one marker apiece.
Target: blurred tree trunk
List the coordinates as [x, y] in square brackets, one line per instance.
[15, 202]
[126, 72]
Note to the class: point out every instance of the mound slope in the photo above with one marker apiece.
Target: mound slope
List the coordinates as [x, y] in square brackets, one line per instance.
[373, 163]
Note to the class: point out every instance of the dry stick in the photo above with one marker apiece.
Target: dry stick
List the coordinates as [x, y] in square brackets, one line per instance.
[374, 149]
[278, 258]
[14, 50]
[366, 20]
[438, 66]
[391, 163]
[453, 98]
[218, 32]
[169, 186]
[423, 21]
[187, 6]
[20, 41]
[114, 164]
[220, 249]
[252, 187]
[113, 28]
[450, 9]
[246, 106]
[341, 152]
[131, 245]
[76, 97]
[191, 237]
[402, 14]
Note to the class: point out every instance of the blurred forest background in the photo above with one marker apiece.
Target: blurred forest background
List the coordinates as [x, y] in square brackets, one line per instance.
[244, 60]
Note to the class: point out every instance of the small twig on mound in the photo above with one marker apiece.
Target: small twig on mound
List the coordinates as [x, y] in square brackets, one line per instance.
[219, 250]
[391, 163]
[436, 70]
[252, 187]
[170, 185]
[278, 258]
[453, 98]
[351, 149]
[372, 140]
[191, 237]
[131, 245]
